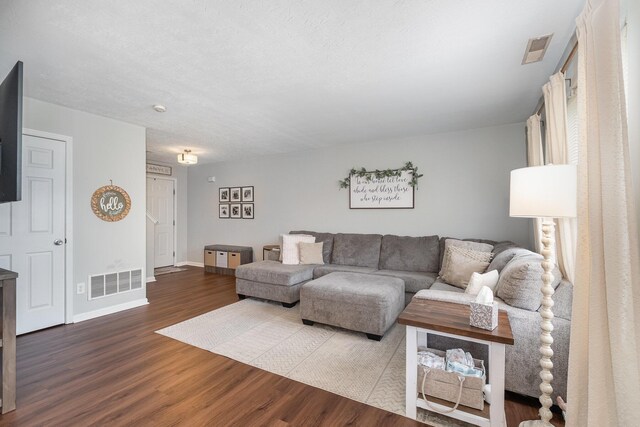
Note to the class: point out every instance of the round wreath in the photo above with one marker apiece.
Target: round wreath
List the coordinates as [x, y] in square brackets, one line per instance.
[113, 209]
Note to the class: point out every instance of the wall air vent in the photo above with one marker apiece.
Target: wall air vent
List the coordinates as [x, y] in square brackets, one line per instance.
[536, 48]
[102, 285]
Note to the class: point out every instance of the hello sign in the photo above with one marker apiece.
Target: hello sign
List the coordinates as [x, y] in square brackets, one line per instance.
[110, 203]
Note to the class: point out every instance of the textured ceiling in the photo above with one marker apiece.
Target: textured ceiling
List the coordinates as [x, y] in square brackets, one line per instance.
[245, 77]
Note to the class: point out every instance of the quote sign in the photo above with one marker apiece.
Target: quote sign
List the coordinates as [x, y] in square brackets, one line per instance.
[110, 203]
[393, 192]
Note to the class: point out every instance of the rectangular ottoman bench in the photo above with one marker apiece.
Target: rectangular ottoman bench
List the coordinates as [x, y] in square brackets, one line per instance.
[272, 280]
[360, 302]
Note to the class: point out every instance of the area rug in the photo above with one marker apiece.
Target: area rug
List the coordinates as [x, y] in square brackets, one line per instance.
[166, 270]
[271, 337]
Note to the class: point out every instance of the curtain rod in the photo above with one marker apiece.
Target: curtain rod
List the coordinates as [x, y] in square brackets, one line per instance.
[563, 69]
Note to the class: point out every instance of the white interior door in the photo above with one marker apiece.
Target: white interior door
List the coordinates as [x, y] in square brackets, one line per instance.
[32, 235]
[160, 204]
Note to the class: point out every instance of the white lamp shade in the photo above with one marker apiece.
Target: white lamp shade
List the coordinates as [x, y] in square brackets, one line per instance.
[544, 192]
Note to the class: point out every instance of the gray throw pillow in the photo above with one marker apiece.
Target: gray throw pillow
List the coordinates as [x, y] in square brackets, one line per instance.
[520, 281]
[500, 260]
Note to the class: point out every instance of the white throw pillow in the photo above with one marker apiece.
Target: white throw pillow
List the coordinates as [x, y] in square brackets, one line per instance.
[290, 250]
[477, 281]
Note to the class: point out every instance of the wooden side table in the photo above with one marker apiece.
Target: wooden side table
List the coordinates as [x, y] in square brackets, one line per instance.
[423, 317]
[8, 340]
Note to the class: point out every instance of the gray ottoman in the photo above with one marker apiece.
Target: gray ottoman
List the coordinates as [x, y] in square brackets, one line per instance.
[360, 302]
[272, 280]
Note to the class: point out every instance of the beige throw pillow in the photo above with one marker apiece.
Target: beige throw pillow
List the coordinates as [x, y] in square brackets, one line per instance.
[290, 250]
[311, 253]
[477, 281]
[460, 263]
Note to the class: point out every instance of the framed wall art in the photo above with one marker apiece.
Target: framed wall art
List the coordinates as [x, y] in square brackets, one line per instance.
[110, 203]
[223, 194]
[158, 169]
[247, 210]
[236, 194]
[223, 211]
[247, 194]
[235, 210]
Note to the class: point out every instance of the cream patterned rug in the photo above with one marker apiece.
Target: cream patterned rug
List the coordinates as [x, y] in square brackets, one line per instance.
[271, 337]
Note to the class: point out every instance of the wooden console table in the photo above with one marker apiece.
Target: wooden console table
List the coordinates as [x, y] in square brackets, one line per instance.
[224, 259]
[8, 340]
[422, 317]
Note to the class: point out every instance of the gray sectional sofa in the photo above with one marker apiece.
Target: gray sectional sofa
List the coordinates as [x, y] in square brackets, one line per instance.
[416, 261]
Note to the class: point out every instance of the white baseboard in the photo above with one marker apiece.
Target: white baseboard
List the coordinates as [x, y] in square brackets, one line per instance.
[151, 279]
[191, 263]
[109, 310]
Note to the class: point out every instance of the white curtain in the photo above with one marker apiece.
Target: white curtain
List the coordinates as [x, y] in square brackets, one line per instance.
[535, 158]
[557, 150]
[604, 376]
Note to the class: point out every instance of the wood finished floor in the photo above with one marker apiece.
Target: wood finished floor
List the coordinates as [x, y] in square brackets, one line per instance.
[115, 370]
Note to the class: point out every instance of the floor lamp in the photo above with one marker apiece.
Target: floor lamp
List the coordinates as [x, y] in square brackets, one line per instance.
[545, 192]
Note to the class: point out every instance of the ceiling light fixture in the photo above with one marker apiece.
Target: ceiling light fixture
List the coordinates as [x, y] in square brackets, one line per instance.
[160, 108]
[187, 158]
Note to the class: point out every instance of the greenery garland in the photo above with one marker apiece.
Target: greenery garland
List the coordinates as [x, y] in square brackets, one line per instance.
[379, 174]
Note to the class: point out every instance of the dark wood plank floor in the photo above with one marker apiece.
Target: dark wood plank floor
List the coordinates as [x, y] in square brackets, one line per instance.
[115, 370]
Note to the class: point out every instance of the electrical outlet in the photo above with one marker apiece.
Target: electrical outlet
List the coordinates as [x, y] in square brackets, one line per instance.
[80, 288]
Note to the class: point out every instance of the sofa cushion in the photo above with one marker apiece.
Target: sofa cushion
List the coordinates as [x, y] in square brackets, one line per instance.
[275, 273]
[311, 253]
[406, 253]
[360, 250]
[562, 300]
[499, 247]
[501, 259]
[462, 259]
[290, 249]
[325, 238]
[521, 280]
[414, 281]
[439, 285]
[323, 270]
[444, 239]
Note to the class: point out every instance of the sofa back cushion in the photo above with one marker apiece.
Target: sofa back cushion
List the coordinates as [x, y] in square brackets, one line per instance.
[502, 258]
[361, 250]
[409, 253]
[325, 238]
[521, 280]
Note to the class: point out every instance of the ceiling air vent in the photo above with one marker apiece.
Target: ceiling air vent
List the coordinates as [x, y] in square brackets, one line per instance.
[536, 48]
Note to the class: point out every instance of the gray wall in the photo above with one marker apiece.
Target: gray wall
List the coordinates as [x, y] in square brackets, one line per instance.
[464, 191]
[103, 149]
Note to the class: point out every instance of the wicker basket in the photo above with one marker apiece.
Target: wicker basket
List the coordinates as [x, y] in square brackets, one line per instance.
[449, 386]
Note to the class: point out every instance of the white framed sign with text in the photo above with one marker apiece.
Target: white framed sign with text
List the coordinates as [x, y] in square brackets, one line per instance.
[393, 192]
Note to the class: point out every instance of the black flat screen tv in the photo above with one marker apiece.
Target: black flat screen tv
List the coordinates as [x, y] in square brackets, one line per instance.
[11, 136]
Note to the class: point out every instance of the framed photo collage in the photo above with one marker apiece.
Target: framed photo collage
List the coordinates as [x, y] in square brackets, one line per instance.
[235, 202]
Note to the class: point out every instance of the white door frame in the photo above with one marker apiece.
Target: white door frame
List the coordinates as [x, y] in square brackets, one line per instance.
[175, 214]
[68, 214]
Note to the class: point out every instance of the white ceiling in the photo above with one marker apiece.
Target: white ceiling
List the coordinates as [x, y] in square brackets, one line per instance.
[244, 77]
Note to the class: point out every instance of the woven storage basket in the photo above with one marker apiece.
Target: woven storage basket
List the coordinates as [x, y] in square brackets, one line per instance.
[446, 385]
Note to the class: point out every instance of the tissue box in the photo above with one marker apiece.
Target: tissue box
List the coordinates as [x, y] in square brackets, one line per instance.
[484, 316]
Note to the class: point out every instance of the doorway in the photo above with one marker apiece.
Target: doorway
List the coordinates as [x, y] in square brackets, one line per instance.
[35, 233]
[161, 198]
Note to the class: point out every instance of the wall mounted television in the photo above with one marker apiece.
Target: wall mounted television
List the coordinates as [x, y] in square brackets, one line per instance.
[11, 136]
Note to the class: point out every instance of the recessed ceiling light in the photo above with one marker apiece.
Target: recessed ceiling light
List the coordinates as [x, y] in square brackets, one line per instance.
[160, 108]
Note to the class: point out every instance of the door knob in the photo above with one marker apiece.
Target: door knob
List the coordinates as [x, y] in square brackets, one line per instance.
[58, 242]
